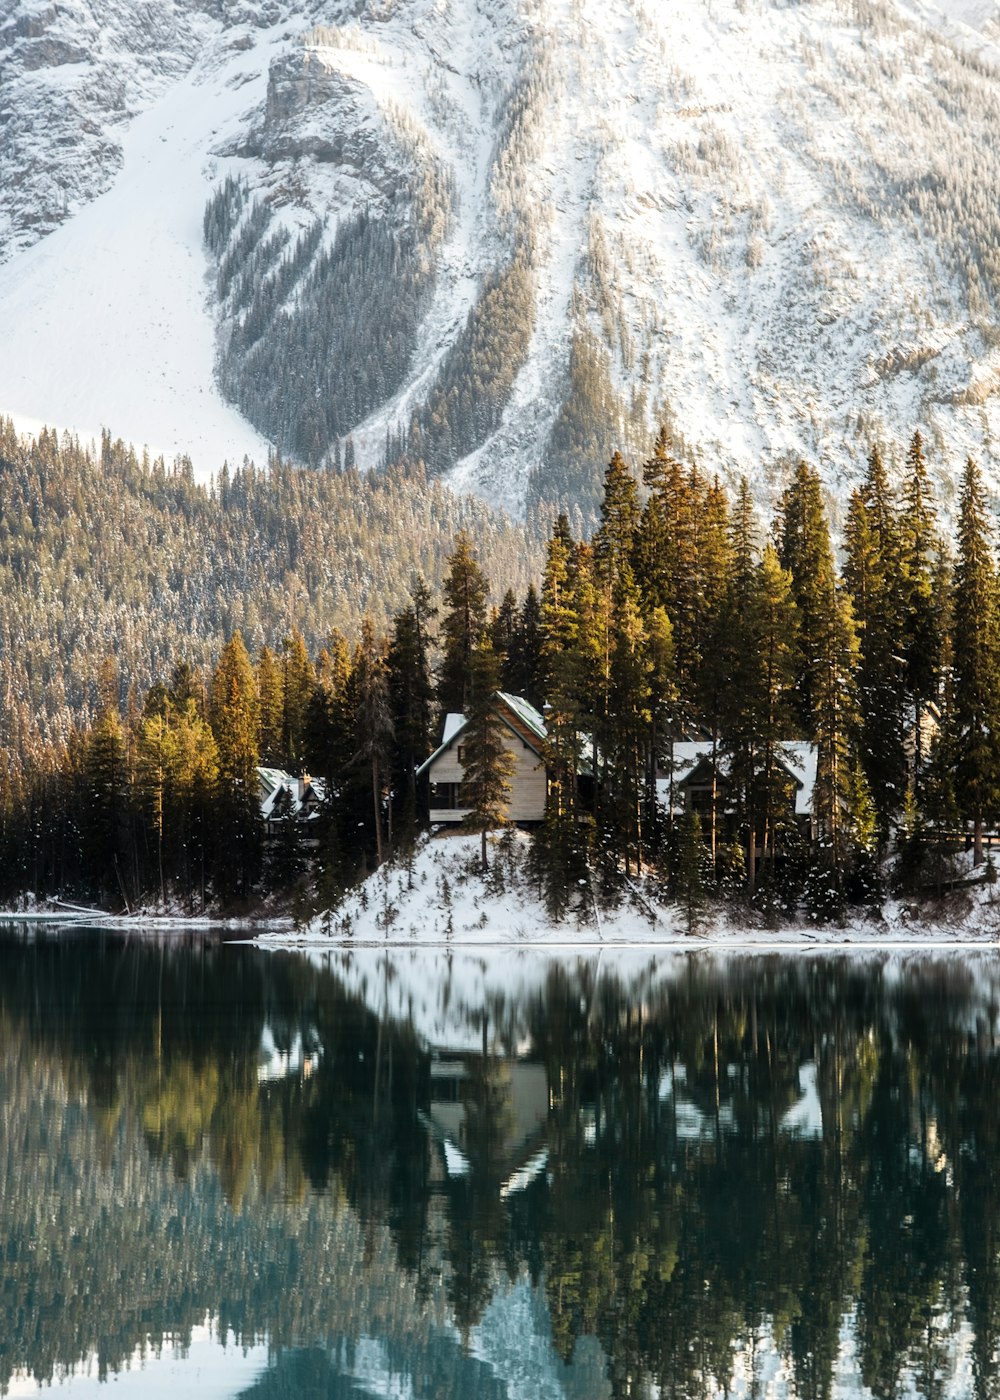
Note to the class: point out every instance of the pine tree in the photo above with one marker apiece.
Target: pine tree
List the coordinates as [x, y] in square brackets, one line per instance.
[298, 686]
[502, 628]
[271, 708]
[825, 663]
[922, 636]
[105, 819]
[233, 715]
[329, 724]
[777, 626]
[626, 732]
[804, 550]
[614, 542]
[193, 794]
[465, 591]
[874, 573]
[559, 847]
[757, 718]
[157, 759]
[522, 671]
[662, 699]
[374, 727]
[411, 692]
[836, 720]
[976, 663]
[489, 763]
[667, 552]
[617, 639]
[688, 881]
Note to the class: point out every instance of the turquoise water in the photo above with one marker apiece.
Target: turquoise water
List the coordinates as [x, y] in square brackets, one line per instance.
[229, 1172]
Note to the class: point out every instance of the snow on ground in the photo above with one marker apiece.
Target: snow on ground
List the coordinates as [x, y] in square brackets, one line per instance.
[105, 320]
[389, 946]
[440, 898]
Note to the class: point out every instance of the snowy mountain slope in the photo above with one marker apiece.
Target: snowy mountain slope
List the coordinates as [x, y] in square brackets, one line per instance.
[771, 225]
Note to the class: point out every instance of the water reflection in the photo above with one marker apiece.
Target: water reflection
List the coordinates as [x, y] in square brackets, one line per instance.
[501, 1175]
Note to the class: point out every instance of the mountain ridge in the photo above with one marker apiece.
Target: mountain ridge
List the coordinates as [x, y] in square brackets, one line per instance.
[766, 225]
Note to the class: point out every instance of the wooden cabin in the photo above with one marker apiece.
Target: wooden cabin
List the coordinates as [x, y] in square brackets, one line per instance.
[524, 736]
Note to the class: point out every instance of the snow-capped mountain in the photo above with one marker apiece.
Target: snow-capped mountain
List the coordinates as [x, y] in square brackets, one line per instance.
[505, 236]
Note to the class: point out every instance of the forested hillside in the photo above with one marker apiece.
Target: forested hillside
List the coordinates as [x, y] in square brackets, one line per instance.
[679, 620]
[112, 566]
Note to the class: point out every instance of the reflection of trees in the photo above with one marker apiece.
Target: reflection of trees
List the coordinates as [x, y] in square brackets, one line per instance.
[146, 1176]
[678, 1252]
[181, 1187]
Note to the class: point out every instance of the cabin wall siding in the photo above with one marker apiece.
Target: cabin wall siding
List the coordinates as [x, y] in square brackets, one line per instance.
[447, 768]
[528, 784]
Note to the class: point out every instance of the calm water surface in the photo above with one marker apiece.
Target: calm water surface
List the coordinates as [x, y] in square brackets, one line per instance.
[225, 1172]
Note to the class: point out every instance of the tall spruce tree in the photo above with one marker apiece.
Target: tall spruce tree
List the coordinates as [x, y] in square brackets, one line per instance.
[522, 668]
[271, 709]
[619, 640]
[560, 845]
[233, 716]
[374, 729]
[804, 550]
[627, 730]
[489, 763]
[874, 573]
[759, 715]
[298, 687]
[465, 591]
[826, 658]
[105, 816]
[976, 662]
[834, 732]
[411, 695]
[677, 520]
[922, 636]
[502, 627]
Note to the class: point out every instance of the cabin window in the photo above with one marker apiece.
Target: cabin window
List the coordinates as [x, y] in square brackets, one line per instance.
[442, 796]
[460, 753]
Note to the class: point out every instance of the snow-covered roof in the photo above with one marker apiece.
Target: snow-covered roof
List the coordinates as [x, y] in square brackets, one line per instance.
[452, 724]
[275, 785]
[526, 712]
[455, 723]
[801, 759]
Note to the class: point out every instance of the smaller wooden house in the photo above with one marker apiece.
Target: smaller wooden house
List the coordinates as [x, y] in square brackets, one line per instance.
[524, 736]
[289, 802]
[690, 784]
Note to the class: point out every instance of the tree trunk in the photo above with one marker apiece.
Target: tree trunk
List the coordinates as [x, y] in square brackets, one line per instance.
[715, 793]
[375, 808]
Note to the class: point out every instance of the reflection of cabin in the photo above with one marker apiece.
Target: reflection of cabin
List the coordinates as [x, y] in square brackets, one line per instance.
[289, 802]
[490, 1112]
[690, 787]
[524, 736]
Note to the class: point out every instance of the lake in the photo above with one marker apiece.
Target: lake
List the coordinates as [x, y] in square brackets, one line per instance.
[233, 1172]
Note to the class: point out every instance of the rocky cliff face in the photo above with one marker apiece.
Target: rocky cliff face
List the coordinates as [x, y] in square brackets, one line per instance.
[507, 237]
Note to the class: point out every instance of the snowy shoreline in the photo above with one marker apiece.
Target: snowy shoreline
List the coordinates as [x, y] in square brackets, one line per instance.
[438, 901]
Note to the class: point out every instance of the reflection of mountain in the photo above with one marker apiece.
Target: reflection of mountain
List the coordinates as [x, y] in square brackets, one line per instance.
[509, 1356]
[777, 1170]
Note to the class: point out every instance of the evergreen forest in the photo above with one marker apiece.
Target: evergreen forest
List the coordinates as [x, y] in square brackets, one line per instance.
[679, 619]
